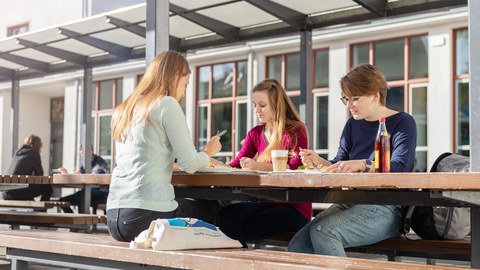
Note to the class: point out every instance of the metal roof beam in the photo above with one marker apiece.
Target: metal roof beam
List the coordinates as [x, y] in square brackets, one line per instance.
[133, 28]
[110, 47]
[75, 58]
[27, 62]
[7, 73]
[225, 30]
[290, 16]
[377, 7]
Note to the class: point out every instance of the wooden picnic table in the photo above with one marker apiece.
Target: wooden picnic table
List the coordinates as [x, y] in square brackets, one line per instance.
[449, 189]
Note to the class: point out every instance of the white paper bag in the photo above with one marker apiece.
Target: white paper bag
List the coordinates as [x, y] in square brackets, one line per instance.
[182, 233]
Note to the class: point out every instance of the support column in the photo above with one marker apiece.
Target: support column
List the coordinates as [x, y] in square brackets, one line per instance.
[306, 83]
[86, 120]
[14, 115]
[158, 29]
[250, 84]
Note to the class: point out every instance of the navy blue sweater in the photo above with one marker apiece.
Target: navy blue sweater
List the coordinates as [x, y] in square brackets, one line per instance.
[358, 141]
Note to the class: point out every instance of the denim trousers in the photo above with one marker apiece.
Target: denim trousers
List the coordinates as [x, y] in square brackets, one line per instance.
[124, 224]
[342, 226]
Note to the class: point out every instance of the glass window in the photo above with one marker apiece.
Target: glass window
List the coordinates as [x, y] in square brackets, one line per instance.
[223, 80]
[389, 58]
[463, 114]
[275, 68]
[203, 82]
[293, 72]
[222, 119]
[418, 57]
[242, 79]
[462, 51]
[420, 161]
[202, 126]
[106, 95]
[321, 123]
[361, 54]
[241, 130]
[321, 69]
[119, 92]
[105, 144]
[419, 112]
[396, 98]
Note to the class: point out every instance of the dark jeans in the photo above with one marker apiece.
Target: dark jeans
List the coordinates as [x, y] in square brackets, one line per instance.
[29, 193]
[255, 221]
[124, 224]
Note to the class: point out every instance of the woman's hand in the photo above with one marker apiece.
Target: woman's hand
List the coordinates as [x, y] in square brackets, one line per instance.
[310, 158]
[347, 166]
[248, 164]
[213, 146]
[216, 162]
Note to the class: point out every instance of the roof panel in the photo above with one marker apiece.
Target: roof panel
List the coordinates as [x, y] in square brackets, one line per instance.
[89, 26]
[9, 44]
[240, 14]
[9, 65]
[122, 37]
[44, 36]
[189, 4]
[133, 15]
[182, 28]
[36, 55]
[318, 6]
[75, 46]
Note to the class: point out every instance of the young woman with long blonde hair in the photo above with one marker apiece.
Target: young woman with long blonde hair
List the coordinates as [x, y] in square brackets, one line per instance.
[150, 131]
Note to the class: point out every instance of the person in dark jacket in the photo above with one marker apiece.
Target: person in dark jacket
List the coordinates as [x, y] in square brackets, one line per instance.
[27, 161]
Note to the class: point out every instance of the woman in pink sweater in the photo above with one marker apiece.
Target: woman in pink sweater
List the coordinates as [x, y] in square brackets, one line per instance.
[281, 128]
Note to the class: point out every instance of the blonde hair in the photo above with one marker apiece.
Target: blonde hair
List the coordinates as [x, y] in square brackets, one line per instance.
[365, 80]
[34, 141]
[160, 79]
[285, 117]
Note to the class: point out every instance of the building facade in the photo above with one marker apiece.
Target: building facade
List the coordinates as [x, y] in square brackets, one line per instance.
[424, 58]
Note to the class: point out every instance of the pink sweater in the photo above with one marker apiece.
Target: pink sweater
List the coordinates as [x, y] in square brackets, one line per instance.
[255, 143]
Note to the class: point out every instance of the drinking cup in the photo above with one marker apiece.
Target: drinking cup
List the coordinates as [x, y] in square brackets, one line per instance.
[279, 160]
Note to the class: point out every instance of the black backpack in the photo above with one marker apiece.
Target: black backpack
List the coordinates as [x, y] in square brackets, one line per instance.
[439, 222]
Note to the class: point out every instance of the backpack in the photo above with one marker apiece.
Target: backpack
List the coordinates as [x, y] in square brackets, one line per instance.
[439, 222]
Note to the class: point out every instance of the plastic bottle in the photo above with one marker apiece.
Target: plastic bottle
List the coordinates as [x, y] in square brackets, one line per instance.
[382, 148]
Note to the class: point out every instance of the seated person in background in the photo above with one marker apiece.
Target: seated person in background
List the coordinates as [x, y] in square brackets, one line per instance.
[97, 195]
[281, 128]
[364, 92]
[27, 161]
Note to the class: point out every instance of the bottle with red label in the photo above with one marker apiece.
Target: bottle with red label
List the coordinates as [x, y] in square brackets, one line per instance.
[382, 148]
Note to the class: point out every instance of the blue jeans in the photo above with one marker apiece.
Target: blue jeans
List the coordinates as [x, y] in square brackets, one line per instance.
[342, 226]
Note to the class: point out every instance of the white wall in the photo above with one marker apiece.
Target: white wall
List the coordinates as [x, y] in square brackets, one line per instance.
[39, 14]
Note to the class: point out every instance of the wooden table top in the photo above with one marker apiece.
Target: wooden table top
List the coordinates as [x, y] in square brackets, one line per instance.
[439, 181]
[25, 179]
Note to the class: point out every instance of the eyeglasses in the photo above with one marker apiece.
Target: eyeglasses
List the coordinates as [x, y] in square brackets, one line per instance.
[352, 100]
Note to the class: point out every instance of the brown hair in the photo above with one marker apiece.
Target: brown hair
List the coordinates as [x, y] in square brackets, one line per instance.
[365, 80]
[284, 113]
[160, 79]
[34, 141]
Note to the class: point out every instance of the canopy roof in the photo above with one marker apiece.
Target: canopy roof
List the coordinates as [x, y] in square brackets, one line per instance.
[120, 35]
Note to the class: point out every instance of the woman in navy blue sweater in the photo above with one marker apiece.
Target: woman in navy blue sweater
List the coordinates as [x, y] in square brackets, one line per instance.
[364, 91]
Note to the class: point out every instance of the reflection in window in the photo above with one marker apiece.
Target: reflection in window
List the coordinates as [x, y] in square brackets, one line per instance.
[106, 95]
[321, 123]
[242, 78]
[202, 126]
[321, 69]
[396, 98]
[389, 58]
[419, 113]
[293, 72]
[420, 161]
[360, 54]
[418, 57]
[275, 68]
[222, 80]
[119, 92]
[463, 114]
[105, 143]
[203, 82]
[462, 52]
[241, 130]
[222, 120]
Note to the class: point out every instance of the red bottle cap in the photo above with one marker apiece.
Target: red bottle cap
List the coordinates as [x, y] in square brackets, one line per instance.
[382, 119]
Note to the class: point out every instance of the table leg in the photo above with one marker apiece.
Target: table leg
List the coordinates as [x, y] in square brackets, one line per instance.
[84, 206]
[475, 231]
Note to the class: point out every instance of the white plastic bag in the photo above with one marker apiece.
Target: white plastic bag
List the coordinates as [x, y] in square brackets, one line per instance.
[182, 233]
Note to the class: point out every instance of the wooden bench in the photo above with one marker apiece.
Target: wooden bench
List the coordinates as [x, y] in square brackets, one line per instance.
[396, 247]
[32, 204]
[91, 251]
[49, 219]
